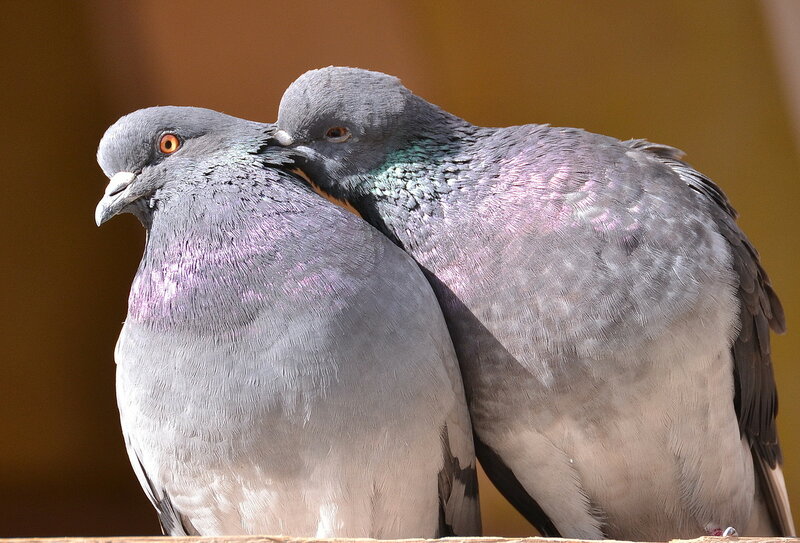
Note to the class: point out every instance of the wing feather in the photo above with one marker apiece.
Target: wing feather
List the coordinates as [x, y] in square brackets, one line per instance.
[755, 398]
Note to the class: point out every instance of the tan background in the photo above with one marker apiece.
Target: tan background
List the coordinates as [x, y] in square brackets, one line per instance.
[698, 75]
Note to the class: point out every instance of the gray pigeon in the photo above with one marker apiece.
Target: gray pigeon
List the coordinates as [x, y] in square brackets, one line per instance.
[283, 369]
[611, 319]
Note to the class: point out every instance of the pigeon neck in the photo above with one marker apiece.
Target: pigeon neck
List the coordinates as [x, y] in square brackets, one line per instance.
[247, 229]
[218, 206]
[413, 186]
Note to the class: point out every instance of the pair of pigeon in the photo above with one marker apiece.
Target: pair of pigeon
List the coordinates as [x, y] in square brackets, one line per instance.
[286, 368]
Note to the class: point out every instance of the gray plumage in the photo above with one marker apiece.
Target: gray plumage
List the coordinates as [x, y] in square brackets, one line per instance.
[283, 368]
[611, 319]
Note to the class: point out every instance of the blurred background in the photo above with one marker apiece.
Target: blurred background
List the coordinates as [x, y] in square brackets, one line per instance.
[719, 79]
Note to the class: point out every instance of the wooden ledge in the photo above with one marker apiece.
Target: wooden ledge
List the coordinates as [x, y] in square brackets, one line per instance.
[280, 539]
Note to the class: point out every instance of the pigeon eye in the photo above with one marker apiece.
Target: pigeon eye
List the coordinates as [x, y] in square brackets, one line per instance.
[169, 143]
[337, 134]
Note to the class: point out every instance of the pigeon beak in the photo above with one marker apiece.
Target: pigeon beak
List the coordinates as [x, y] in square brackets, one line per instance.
[283, 137]
[116, 197]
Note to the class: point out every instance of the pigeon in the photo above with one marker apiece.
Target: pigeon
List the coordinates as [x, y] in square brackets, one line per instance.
[611, 320]
[283, 367]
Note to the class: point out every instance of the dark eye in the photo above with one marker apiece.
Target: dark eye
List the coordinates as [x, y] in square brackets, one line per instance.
[337, 134]
[169, 143]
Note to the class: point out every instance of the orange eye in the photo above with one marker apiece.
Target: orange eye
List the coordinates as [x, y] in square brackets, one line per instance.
[169, 143]
[337, 134]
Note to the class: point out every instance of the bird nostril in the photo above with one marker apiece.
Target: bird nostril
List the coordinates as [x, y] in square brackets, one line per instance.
[119, 182]
[116, 190]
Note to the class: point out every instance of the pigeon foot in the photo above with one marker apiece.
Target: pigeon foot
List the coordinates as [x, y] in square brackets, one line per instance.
[730, 531]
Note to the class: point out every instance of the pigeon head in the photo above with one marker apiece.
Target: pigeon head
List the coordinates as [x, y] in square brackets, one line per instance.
[345, 121]
[155, 151]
